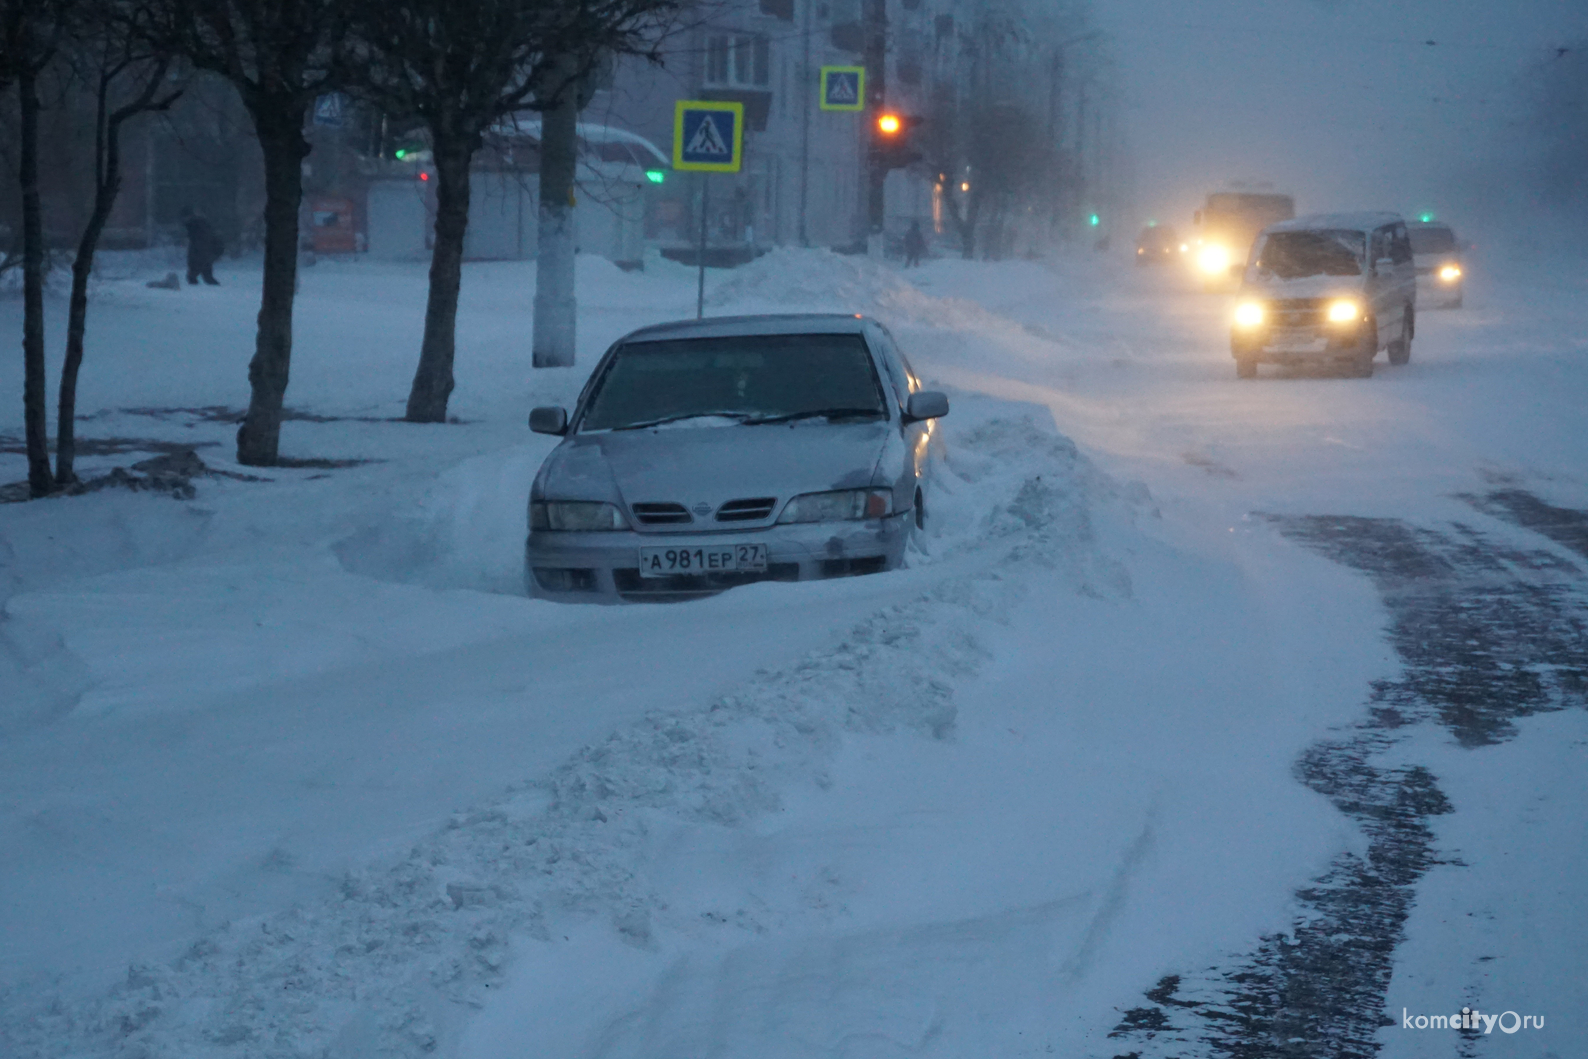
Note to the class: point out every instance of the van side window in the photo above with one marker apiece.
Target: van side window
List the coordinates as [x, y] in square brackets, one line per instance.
[1401, 246]
[1378, 248]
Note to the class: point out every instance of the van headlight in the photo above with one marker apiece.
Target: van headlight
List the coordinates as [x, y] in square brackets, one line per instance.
[1450, 273]
[575, 516]
[1249, 314]
[1344, 311]
[841, 505]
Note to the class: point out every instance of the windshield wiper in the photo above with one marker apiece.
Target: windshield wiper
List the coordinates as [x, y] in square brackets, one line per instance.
[683, 416]
[829, 413]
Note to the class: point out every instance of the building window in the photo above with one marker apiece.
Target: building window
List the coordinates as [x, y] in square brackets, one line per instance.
[737, 60]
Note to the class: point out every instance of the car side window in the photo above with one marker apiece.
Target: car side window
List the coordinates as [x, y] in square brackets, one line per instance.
[1401, 246]
[898, 376]
[909, 370]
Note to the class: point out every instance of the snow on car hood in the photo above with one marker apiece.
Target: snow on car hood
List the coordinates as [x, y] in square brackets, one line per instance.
[715, 464]
[1305, 287]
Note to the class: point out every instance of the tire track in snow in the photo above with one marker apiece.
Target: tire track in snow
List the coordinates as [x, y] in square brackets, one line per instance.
[1487, 633]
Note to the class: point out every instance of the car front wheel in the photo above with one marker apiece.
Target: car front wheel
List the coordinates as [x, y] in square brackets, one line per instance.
[1400, 350]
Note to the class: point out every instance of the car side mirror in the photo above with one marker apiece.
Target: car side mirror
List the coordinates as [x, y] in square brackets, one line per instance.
[548, 420]
[928, 404]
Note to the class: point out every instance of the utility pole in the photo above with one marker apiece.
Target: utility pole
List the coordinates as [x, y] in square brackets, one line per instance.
[805, 116]
[874, 174]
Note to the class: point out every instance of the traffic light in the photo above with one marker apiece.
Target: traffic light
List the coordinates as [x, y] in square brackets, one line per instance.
[891, 135]
[1094, 220]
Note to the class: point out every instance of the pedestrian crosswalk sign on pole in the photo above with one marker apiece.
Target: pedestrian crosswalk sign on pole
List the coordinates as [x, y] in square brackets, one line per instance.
[843, 88]
[708, 136]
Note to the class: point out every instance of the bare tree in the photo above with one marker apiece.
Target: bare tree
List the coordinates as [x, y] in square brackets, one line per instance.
[31, 32]
[462, 66]
[280, 55]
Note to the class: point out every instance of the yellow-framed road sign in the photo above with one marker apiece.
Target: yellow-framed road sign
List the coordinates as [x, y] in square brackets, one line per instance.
[843, 88]
[708, 136]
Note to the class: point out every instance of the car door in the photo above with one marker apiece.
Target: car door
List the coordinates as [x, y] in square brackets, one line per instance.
[914, 437]
[1383, 286]
[1405, 266]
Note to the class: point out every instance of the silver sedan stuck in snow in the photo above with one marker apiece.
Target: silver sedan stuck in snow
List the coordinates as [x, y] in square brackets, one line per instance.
[713, 453]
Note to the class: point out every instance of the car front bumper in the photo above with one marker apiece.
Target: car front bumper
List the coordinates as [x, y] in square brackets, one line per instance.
[1299, 345]
[604, 567]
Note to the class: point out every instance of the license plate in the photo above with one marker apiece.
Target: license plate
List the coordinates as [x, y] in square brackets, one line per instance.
[716, 559]
[1296, 339]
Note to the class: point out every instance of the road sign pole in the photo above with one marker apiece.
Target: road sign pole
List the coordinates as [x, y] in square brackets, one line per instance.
[708, 137]
[700, 286]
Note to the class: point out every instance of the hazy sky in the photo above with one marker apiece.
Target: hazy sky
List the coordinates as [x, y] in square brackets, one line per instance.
[1337, 101]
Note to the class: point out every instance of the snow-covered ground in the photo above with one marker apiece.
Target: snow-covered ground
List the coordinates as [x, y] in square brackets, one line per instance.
[292, 768]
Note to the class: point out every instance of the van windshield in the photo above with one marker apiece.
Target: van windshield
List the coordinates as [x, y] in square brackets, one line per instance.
[1432, 240]
[1326, 252]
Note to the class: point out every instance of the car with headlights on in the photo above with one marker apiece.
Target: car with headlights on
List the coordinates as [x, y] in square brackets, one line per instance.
[1327, 289]
[1436, 252]
[1158, 244]
[711, 453]
[1225, 227]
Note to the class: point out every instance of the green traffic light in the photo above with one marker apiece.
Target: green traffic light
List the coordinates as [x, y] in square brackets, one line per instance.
[1094, 220]
[655, 176]
[1425, 218]
[400, 153]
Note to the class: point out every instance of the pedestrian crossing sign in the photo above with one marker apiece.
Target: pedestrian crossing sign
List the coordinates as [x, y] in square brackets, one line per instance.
[708, 136]
[843, 88]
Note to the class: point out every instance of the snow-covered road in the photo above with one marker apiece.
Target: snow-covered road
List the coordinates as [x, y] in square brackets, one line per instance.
[290, 769]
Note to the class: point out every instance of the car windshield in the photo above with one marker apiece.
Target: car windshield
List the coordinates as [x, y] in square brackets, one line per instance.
[1432, 240]
[743, 379]
[1327, 252]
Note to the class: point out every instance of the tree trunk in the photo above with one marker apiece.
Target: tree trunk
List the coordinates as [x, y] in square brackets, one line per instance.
[555, 308]
[967, 227]
[107, 186]
[432, 386]
[40, 481]
[279, 124]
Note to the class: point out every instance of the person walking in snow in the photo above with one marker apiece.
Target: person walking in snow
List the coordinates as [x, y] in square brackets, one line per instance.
[914, 245]
[203, 247]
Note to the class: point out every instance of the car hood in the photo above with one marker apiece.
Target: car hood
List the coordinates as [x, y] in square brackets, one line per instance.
[715, 464]
[1306, 287]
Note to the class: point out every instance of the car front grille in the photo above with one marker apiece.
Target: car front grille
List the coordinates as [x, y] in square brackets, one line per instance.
[754, 509]
[661, 514]
[1297, 312]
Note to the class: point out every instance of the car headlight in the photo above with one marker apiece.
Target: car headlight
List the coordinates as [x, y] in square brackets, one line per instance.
[575, 515]
[839, 506]
[1249, 314]
[1450, 273]
[1344, 311]
[1214, 259]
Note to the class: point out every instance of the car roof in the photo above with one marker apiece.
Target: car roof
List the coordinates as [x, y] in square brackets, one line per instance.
[1364, 221]
[762, 324]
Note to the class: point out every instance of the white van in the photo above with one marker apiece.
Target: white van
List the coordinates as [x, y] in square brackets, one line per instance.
[1330, 288]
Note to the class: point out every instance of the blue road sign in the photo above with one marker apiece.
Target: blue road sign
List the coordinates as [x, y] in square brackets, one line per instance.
[328, 111]
[708, 136]
[843, 88]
